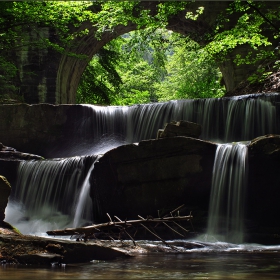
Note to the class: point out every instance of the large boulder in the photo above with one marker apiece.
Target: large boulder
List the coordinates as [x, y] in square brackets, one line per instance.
[5, 190]
[153, 177]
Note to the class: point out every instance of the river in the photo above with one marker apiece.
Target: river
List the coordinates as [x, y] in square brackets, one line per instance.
[193, 265]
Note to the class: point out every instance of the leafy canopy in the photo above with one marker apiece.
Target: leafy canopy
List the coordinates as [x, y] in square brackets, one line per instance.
[108, 73]
[150, 66]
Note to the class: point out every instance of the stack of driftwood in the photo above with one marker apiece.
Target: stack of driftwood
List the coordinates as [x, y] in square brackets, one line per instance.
[110, 228]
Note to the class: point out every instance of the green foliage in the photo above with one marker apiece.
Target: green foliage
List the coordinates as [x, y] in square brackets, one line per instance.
[113, 13]
[149, 64]
[100, 80]
[154, 65]
[191, 74]
[158, 69]
[18, 17]
[65, 18]
[143, 55]
[251, 29]
[265, 72]
[192, 16]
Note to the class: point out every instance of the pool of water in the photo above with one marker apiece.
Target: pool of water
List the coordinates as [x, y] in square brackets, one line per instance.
[209, 264]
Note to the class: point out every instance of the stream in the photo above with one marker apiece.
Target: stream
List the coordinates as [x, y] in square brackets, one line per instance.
[193, 265]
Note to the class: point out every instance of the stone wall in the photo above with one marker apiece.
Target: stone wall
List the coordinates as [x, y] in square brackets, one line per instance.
[41, 129]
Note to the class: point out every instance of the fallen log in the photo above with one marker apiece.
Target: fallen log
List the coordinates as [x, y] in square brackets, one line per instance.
[91, 230]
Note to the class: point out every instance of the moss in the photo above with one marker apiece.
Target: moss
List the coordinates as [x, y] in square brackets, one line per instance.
[9, 226]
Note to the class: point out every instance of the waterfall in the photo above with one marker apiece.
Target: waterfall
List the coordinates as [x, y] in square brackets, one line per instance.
[223, 120]
[84, 201]
[227, 197]
[48, 189]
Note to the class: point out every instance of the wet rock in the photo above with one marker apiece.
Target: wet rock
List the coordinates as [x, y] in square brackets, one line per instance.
[267, 145]
[26, 249]
[263, 192]
[39, 259]
[180, 128]
[55, 248]
[5, 190]
[9, 153]
[10, 159]
[154, 177]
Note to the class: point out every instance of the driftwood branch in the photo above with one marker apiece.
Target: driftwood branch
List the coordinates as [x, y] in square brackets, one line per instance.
[89, 230]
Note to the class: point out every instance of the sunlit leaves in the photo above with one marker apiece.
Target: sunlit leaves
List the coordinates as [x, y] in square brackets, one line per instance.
[247, 31]
[159, 65]
[190, 74]
[112, 14]
[192, 16]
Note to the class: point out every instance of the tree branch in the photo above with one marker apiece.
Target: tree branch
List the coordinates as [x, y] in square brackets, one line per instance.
[263, 16]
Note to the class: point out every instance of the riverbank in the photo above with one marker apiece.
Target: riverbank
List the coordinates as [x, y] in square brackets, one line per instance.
[25, 249]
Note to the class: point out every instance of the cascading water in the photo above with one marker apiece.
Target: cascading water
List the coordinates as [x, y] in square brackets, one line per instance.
[229, 181]
[84, 201]
[56, 184]
[43, 192]
[223, 120]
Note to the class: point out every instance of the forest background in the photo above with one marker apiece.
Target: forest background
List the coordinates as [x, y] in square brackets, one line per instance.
[150, 64]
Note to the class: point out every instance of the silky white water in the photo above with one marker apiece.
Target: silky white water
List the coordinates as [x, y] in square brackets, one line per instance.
[84, 201]
[229, 181]
[46, 193]
[101, 128]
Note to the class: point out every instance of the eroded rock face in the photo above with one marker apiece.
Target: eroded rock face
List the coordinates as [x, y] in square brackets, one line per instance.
[5, 190]
[32, 128]
[153, 177]
[263, 192]
[42, 129]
